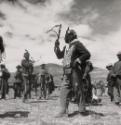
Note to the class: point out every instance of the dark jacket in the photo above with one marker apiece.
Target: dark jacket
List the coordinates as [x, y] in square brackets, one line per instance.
[18, 77]
[27, 66]
[5, 74]
[77, 49]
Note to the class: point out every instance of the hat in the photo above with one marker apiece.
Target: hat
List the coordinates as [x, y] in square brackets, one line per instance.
[119, 53]
[2, 66]
[18, 67]
[109, 65]
[43, 66]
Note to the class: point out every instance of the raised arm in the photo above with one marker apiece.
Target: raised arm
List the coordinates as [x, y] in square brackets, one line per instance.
[59, 53]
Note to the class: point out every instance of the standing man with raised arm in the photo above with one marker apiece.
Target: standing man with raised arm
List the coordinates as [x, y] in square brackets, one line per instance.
[74, 63]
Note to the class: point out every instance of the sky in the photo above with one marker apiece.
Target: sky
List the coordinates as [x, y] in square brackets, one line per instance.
[24, 25]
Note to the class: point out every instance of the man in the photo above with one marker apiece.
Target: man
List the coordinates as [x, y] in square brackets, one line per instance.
[116, 75]
[42, 82]
[46, 82]
[27, 67]
[74, 63]
[4, 79]
[18, 82]
[110, 81]
[2, 48]
[50, 82]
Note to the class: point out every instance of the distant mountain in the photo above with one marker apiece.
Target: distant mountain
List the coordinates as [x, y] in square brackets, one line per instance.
[54, 69]
[99, 74]
[57, 71]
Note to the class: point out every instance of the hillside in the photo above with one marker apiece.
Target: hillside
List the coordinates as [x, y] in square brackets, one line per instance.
[57, 71]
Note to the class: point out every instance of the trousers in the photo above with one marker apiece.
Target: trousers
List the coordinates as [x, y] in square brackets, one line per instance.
[66, 91]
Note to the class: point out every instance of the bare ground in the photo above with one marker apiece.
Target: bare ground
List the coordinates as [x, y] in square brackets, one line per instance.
[43, 112]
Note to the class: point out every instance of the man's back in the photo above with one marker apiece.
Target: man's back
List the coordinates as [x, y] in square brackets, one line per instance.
[117, 68]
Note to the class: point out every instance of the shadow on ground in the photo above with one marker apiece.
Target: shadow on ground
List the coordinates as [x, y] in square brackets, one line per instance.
[45, 100]
[87, 113]
[14, 114]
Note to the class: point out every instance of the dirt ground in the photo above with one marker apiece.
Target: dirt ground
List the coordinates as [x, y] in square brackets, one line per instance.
[43, 112]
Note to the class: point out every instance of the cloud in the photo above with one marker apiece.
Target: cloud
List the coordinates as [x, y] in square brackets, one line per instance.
[101, 19]
[96, 22]
[105, 48]
[28, 25]
[102, 15]
[83, 29]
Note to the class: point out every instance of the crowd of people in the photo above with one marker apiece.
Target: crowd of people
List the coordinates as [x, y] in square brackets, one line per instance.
[25, 80]
[114, 80]
[77, 68]
[76, 85]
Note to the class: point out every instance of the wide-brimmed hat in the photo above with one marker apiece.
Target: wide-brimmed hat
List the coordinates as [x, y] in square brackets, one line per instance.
[19, 67]
[119, 53]
[109, 65]
[43, 66]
